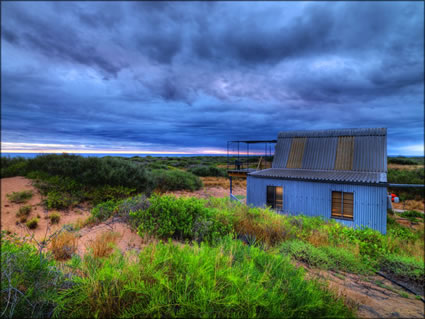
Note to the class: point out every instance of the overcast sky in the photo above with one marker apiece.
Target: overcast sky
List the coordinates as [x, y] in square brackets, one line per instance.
[187, 77]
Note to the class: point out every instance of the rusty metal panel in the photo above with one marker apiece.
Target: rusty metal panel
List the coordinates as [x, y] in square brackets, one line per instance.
[296, 153]
[281, 153]
[344, 153]
[320, 153]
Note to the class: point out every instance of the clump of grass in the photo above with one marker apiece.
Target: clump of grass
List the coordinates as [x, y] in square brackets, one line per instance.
[32, 223]
[64, 245]
[20, 197]
[103, 244]
[54, 218]
[24, 211]
[231, 279]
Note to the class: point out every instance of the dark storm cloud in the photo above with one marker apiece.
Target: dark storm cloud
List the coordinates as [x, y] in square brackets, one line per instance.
[164, 76]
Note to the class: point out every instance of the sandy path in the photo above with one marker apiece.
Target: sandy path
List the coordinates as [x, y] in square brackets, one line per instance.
[9, 210]
[374, 297]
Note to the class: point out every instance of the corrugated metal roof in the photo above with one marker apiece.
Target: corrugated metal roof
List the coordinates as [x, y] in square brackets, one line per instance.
[333, 133]
[368, 154]
[323, 175]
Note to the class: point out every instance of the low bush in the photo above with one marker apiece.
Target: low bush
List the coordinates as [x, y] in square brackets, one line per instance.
[13, 166]
[231, 280]
[412, 215]
[20, 197]
[179, 218]
[208, 171]
[32, 223]
[24, 211]
[169, 180]
[54, 218]
[29, 281]
[64, 245]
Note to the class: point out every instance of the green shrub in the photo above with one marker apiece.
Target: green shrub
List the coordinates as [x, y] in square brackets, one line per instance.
[169, 180]
[20, 197]
[306, 252]
[32, 223]
[13, 167]
[231, 280]
[179, 218]
[405, 268]
[401, 161]
[59, 200]
[29, 281]
[54, 218]
[208, 171]
[412, 215]
[104, 210]
[94, 171]
[104, 193]
[24, 211]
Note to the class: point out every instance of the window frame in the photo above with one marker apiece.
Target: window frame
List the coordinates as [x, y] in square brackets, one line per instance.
[341, 216]
[274, 201]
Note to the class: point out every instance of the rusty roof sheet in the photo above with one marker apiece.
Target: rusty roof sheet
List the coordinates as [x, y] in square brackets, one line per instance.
[323, 175]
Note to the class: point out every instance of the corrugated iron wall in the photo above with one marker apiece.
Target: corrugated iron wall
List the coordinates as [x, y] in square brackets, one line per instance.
[366, 153]
[314, 199]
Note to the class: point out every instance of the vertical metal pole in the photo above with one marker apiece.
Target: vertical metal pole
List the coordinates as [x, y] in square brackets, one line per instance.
[230, 179]
[227, 155]
[247, 156]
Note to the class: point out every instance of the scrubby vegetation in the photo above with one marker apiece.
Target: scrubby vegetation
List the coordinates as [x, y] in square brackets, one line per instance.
[24, 211]
[32, 223]
[54, 218]
[19, 197]
[68, 180]
[231, 260]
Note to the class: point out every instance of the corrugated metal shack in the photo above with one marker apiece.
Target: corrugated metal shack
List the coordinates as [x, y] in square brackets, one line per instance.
[339, 174]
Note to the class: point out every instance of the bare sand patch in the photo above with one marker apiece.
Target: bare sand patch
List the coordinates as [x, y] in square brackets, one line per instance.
[10, 222]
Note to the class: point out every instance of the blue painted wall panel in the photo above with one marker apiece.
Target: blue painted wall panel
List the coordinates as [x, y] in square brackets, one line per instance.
[314, 199]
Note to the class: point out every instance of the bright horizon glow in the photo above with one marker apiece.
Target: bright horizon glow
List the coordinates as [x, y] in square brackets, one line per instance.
[35, 148]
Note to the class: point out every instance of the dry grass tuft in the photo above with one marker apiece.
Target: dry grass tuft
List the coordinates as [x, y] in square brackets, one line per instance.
[267, 227]
[64, 245]
[222, 182]
[319, 238]
[103, 245]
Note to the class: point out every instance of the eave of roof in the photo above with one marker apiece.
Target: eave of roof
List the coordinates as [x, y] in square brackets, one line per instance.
[336, 133]
[376, 178]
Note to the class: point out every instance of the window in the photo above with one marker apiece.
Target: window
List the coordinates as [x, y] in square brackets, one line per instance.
[275, 197]
[342, 205]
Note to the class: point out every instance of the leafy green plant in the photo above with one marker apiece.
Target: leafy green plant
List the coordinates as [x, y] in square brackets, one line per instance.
[29, 280]
[20, 197]
[179, 218]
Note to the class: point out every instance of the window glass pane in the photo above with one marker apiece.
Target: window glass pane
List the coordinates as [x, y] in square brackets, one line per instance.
[270, 196]
[348, 205]
[336, 204]
[279, 198]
